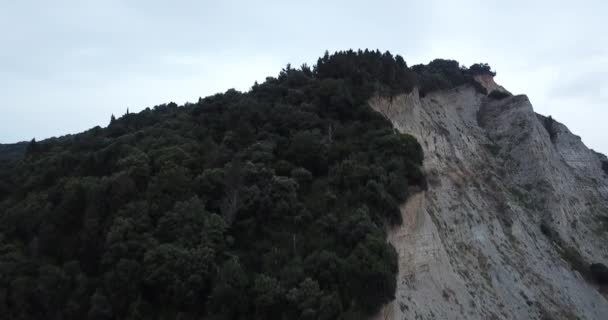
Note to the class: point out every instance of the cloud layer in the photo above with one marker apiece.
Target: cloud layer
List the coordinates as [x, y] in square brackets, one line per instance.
[66, 66]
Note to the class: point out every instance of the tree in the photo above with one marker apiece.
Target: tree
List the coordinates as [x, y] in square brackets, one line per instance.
[100, 307]
[373, 265]
[268, 296]
[32, 147]
[306, 299]
[481, 69]
[599, 272]
[229, 297]
[308, 150]
[177, 275]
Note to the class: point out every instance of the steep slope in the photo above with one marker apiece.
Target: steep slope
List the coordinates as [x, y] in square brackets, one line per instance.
[513, 216]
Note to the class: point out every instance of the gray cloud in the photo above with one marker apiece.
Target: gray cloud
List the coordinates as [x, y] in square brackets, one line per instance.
[66, 66]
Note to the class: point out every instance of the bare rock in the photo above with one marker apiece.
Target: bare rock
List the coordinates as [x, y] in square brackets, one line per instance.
[513, 217]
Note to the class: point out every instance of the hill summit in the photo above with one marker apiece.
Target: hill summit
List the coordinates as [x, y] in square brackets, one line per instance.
[359, 187]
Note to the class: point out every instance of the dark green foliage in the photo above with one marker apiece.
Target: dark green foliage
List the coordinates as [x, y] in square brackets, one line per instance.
[549, 125]
[575, 260]
[376, 72]
[265, 204]
[481, 69]
[369, 71]
[439, 74]
[12, 151]
[599, 272]
[442, 74]
[596, 273]
[498, 95]
[548, 231]
[493, 148]
[32, 148]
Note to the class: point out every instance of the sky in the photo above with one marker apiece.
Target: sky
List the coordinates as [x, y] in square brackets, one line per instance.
[66, 66]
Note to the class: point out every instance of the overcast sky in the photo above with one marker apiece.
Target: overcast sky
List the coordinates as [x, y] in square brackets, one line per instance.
[66, 66]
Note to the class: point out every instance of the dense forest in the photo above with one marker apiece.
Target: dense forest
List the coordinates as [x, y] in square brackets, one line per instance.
[267, 204]
[12, 151]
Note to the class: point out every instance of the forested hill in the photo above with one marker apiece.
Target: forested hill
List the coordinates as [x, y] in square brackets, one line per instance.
[268, 204]
[12, 151]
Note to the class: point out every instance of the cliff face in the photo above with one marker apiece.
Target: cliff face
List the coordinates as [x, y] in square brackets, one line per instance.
[514, 213]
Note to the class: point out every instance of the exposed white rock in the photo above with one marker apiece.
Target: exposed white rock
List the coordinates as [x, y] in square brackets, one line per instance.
[487, 81]
[471, 245]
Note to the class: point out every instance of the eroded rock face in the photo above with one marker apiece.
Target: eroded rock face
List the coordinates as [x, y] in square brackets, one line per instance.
[487, 81]
[514, 214]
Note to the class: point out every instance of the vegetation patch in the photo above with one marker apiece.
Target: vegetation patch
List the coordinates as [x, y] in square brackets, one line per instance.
[596, 273]
[441, 74]
[575, 260]
[599, 272]
[12, 151]
[494, 148]
[549, 125]
[498, 95]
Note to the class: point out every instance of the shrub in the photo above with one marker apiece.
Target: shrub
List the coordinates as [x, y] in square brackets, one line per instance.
[498, 95]
[481, 69]
[549, 125]
[575, 260]
[548, 231]
[599, 272]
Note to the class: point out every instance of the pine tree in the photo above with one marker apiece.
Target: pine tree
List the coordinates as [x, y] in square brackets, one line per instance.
[32, 147]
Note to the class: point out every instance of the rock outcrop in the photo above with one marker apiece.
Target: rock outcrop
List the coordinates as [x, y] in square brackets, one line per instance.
[515, 212]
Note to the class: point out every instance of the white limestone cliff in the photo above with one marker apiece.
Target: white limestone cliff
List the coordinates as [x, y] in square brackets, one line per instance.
[514, 201]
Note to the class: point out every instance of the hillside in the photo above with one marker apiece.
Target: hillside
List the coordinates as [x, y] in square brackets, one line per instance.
[271, 203]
